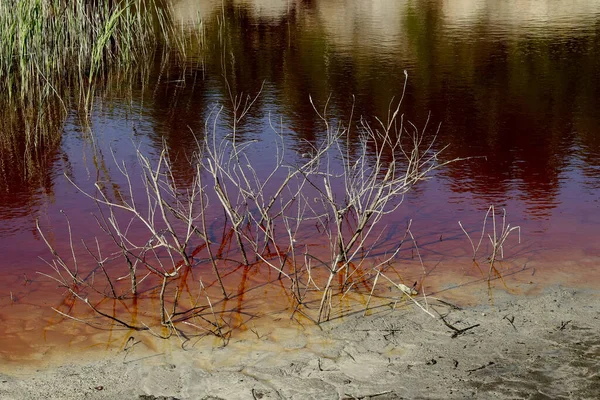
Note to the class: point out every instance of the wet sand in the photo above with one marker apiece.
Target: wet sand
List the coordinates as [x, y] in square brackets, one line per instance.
[541, 346]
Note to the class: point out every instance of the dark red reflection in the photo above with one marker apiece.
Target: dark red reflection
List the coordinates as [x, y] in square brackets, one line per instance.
[521, 106]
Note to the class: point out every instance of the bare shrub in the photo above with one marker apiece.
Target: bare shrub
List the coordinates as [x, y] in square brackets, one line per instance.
[334, 197]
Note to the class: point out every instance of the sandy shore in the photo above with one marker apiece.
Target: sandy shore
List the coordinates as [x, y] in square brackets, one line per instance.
[545, 346]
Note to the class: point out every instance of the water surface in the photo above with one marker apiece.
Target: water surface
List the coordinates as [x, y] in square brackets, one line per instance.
[512, 86]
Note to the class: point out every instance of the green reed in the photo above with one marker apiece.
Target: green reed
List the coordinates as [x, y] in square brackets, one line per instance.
[56, 56]
[45, 43]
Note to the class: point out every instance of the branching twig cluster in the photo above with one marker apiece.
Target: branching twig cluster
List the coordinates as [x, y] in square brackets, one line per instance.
[277, 216]
[497, 238]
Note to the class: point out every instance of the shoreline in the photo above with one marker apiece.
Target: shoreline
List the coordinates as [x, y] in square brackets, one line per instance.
[539, 346]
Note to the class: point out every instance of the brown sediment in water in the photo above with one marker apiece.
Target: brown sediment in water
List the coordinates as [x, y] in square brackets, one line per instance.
[34, 336]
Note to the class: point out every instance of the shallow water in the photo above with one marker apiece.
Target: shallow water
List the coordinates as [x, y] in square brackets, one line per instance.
[514, 86]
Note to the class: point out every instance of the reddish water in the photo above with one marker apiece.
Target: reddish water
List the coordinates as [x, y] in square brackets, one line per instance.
[514, 85]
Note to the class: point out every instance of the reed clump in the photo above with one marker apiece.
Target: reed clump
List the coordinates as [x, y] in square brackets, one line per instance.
[57, 56]
[46, 45]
